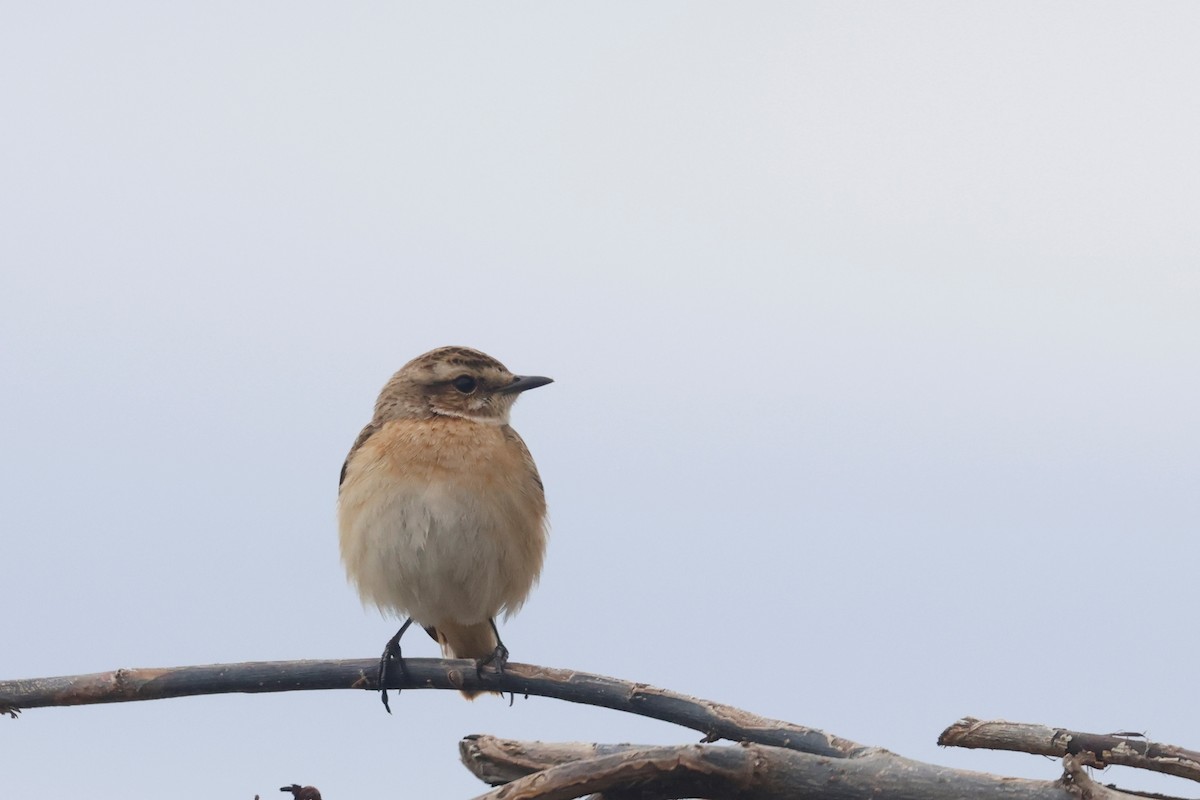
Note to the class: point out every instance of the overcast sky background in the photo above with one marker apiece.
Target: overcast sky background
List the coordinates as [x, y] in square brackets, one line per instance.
[875, 331]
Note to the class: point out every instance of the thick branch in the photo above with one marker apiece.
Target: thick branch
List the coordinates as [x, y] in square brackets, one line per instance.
[698, 771]
[744, 772]
[497, 761]
[714, 720]
[1124, 749]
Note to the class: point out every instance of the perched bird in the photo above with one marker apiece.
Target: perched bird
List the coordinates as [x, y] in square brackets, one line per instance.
[441, 513]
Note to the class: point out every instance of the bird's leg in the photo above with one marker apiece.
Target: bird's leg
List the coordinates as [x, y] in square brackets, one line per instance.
[391, 652]
[499, 656]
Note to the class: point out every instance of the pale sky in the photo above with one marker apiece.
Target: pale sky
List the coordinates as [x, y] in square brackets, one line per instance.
[874, 327]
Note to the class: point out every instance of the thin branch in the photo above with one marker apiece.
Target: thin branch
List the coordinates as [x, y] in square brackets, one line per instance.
[785, 759]
[714, 720]
[744, 772]
[1123, 749]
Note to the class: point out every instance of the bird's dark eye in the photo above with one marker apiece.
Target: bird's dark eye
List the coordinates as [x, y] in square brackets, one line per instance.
[464, 383]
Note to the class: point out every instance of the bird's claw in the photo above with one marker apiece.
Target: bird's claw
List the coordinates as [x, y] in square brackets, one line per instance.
[391, 654]
[385, 664]
[497, 660]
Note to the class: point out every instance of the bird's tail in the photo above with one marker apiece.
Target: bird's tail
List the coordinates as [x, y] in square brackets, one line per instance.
[466, 641]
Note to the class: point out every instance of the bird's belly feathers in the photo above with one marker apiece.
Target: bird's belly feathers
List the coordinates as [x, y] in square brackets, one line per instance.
[441, 545]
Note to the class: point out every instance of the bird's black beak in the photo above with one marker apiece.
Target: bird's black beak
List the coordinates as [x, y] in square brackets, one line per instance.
[523, 382]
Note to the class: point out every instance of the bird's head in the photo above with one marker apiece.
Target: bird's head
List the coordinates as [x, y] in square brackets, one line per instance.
[454, 382]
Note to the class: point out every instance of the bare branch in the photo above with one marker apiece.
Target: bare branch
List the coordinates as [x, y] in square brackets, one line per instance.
[497, 761]
[687, 771]
[779, 759]
[714, 720]
[745, 772]
[1123, 749]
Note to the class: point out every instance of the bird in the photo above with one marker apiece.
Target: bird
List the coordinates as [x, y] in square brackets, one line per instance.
[441, 510]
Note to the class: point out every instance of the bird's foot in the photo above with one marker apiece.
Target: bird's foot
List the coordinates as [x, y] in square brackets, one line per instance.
[391, 657]
[497, 660]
